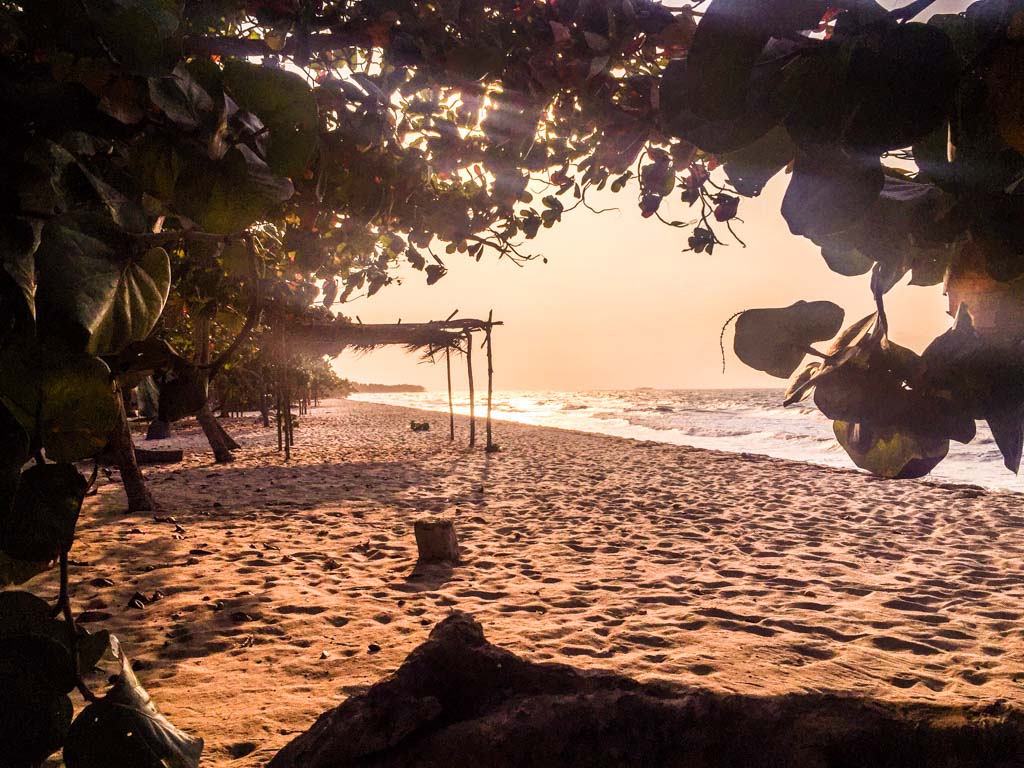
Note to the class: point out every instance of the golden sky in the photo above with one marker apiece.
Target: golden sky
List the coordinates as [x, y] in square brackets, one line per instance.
[619, 305]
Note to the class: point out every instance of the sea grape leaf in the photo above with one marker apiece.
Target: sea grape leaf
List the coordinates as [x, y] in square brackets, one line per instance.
[1006, 92]
[870, 88]
[285, 104]
[890, 452]
[93, 647]
[901, 83]
[728, 43]
[776, 340]
[63, 400]
[899, 232]
[183, 100]
[140, 34]
[124, 729]
[20, 610]
[716, 136]
[846, 261]
[830, 192]
[184, 390]
[962, 33]
[36, 673]
[1008, 431]
[226, 196]
[14, 452]
[14, 572]
[41, 525]
[982, 374]
[799, 387]
[34, 719]
[855, 343]
[751, 167]
[19, 240]
[93, 290]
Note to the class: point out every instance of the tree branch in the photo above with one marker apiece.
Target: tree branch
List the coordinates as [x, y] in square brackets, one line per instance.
[241, 48]
[64, 603]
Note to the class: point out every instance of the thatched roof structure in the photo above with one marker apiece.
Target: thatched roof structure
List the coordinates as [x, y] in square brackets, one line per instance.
[430, 337]
[448, 336]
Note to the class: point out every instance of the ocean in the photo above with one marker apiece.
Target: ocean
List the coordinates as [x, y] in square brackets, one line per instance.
[736, 420]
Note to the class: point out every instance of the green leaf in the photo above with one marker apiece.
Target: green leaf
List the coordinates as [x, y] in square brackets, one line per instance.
[93, 289]
[891, 452]
[751, 167]
[36, 673]
[124, 729]
[41, 526]
[776, 340]
[14, 452]
[830, 192]
[844, 260]
[19, 240]
[184, 391]
[14, 572]
[184, 101]
[64, 401]
[716, 136]
[982, 375]
[140, 34]
[901, 82]
[34, 719]
[228, 195]
[93, 647]
[728, 43]
[287, 107]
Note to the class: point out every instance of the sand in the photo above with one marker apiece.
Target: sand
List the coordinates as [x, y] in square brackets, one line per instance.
[285, 588]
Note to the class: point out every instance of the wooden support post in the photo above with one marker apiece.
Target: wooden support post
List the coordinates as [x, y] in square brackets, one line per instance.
[451, 405]
[436, 541]
[472, 397]
[277, 414]
[490, 382]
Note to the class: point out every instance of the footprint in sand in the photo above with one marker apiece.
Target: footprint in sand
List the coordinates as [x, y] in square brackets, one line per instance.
[887, 643]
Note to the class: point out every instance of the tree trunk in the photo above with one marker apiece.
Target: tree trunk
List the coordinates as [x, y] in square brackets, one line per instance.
[139, 497]
[220, 441]
[216, 436]
[225, 436]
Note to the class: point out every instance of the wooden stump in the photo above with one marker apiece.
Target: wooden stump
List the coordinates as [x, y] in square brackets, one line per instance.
[436, 540]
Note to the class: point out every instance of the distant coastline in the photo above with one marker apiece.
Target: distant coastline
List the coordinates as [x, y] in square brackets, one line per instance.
[359, 388]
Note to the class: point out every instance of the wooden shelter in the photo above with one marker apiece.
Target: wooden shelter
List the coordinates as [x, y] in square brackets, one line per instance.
[453, 335]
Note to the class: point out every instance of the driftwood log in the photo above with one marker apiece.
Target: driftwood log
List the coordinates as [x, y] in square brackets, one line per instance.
[436, 541]
[146, 457]
[460, 701]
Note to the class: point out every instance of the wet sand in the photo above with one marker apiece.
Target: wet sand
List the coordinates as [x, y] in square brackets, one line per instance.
[284, 588]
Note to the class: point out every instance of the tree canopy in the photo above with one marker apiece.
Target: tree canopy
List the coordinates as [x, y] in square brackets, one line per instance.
[172, 163]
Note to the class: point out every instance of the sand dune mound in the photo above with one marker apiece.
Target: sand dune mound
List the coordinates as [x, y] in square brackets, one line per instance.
[458, 700]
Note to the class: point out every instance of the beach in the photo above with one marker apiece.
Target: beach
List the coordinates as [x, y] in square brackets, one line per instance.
[281, 589]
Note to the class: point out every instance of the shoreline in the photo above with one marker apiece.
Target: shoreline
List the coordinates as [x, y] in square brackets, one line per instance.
[950, 485]
[290, 587]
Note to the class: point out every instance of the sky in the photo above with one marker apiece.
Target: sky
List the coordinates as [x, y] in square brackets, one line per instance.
[618, 305]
